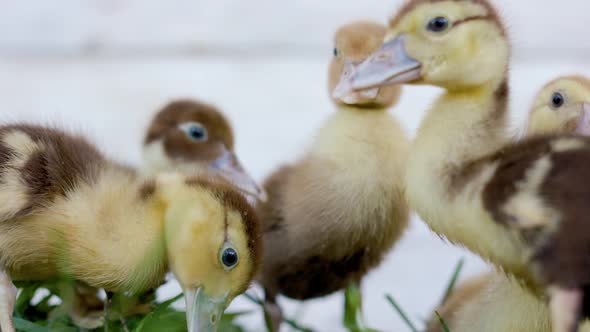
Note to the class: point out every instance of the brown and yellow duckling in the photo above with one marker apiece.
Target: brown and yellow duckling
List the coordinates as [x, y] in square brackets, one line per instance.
[193, 137]
[69, 212]
[561, 107]
[332, 216]
[519, 205]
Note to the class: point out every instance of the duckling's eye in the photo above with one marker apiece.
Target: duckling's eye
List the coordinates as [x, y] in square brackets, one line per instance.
[195, 131]
[335, 51]
[557, 100]
[438, 24]
[229, 257]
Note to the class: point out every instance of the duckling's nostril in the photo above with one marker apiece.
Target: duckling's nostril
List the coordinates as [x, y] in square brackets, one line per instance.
[213, 318]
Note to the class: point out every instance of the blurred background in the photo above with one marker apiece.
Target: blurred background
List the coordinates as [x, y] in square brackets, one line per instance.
[105, 67]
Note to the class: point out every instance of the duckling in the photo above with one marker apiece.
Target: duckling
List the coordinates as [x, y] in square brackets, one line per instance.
[194, 137]
[68, 212]
[562, 107]
[333, 215]
[519, 205]
[493, 302]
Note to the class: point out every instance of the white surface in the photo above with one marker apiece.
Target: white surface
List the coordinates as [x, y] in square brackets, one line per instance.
[104, 66]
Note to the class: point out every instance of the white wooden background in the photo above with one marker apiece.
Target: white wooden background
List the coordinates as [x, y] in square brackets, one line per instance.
[105, 66]
[237, 27]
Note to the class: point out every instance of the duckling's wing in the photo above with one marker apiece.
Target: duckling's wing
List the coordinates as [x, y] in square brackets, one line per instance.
[39, 164]
[539, 181]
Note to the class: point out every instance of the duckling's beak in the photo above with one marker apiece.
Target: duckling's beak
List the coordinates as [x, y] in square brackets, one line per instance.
[342, 90]
[228, 166]
[565, 306]
[583, 127]
[203, 313]
[388, 65]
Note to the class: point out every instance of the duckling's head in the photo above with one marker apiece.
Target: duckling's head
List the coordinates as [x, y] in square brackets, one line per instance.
[353, 43]
[195, 137]
[562, 107]
[454, 44]
[213, 243]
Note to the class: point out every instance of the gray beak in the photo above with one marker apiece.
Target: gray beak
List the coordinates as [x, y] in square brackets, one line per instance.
[565, 306]
[203, 313]
[388, 65]
[228, 166]
[583, 127]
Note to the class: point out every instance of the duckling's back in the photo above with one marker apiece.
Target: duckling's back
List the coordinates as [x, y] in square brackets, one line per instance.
[69, 211]
[38, 164]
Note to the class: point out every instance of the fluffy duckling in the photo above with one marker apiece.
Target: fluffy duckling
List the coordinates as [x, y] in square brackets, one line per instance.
[332, 216]
[490, 303]
[559, 108]
[562, 107]
[70, 213]
[521, 206]
[194, 137]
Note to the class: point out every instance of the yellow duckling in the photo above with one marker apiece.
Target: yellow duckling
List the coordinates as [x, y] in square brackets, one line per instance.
[194, 138]
[70, 213]
[332, 216]
[522, 205]
[562, 107]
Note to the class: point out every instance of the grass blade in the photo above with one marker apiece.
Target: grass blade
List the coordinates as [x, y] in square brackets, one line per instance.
[402, 314]
[453, 281]
[267, 319]
[442, 322]
[295, 326]
[352, 308]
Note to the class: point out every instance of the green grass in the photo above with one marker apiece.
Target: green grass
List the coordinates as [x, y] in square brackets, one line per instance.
[442, 322]
[401, 313]
[453, 281]
[449, 290]
[43, 317]
[46, 317]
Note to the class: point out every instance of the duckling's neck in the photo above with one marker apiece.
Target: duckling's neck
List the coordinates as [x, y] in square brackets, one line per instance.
[359, 154]
[462, 127]
[467, 124]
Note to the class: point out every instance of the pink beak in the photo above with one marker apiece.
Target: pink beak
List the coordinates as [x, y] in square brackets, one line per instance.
[343, 90]
[565, 308]
[583, 127]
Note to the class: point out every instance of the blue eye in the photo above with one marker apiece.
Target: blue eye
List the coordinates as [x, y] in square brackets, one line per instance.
[195, 131]
[229, 257]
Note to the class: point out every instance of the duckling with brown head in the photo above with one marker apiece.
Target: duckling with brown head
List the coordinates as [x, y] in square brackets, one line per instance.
[68, 212]
[194, 137]
[333, 215]
[522, 206]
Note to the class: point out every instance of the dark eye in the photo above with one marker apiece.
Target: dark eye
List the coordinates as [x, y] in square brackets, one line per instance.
[195, 131]
[557, 100]
[335, 51]
[438, 24]
[229, 257]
